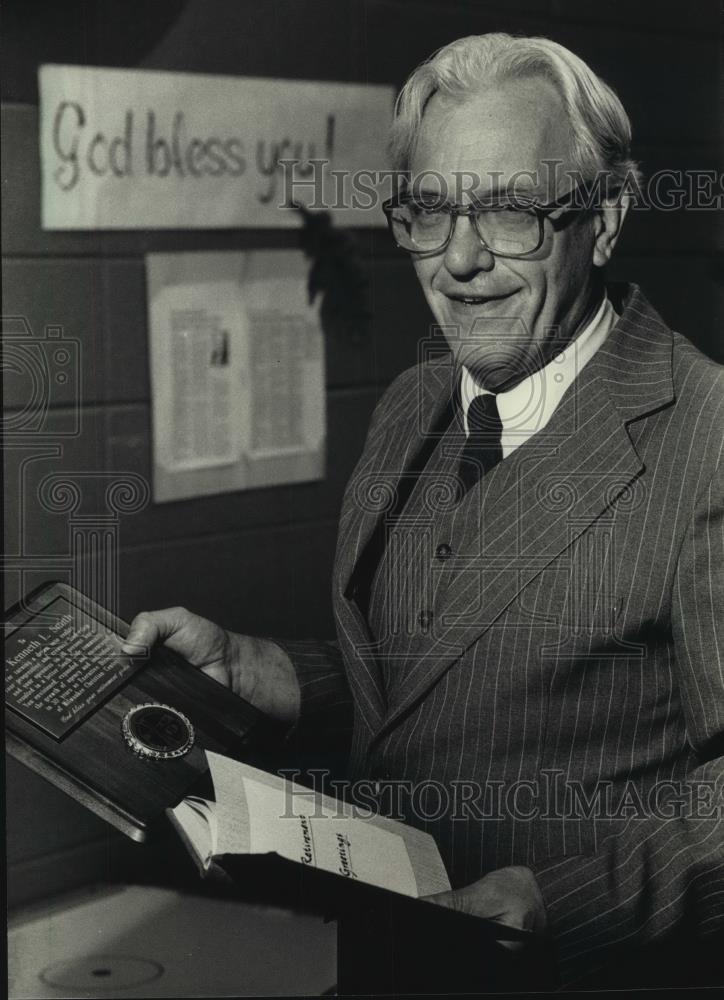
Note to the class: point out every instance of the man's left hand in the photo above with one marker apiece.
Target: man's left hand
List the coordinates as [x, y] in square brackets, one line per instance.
[509, 895]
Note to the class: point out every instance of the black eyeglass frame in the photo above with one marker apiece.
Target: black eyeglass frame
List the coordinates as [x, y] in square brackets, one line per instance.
[475, 208]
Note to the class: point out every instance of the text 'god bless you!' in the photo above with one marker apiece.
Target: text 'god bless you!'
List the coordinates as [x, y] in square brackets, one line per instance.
[144, 146]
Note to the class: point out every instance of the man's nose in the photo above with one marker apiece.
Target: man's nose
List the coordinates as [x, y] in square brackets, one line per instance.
[465, 253]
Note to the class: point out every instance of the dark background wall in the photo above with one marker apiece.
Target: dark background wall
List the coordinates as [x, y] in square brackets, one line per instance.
[261, 561]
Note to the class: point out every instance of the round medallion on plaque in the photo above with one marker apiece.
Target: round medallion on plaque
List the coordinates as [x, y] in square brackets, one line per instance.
[157, 731]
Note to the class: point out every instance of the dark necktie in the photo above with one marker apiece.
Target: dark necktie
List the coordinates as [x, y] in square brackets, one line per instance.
[482, 449]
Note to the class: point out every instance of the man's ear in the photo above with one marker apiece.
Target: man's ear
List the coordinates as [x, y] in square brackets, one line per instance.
[608, 226]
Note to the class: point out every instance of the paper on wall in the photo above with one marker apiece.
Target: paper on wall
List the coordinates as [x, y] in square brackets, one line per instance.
[237, 372]
[284, 364]
[200, 347]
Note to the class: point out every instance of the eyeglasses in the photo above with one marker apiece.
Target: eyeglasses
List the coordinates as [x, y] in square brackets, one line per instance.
[423, 225]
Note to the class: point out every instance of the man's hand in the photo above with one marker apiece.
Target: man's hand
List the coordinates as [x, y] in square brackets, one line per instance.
[255, 669]
[509, 895]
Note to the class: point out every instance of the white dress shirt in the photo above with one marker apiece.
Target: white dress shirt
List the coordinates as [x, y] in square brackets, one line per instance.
[527, 407]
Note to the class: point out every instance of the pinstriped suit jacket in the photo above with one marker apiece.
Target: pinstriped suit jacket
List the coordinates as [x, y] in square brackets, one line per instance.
[560, 701]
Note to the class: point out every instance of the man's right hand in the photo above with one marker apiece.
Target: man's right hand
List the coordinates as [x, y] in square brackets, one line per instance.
[256, 669]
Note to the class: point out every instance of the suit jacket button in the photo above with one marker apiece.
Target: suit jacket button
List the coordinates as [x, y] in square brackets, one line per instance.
[379, 783]
[443, 551]
[425, 620]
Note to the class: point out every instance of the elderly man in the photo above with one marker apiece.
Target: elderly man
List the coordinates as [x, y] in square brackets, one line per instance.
[528, 585]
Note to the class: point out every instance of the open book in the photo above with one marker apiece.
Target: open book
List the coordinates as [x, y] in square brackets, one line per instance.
[259, 813]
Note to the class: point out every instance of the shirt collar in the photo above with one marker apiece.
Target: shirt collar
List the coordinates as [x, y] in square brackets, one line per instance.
[528, 406]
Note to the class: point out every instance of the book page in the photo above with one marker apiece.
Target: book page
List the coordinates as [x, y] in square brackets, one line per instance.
[199, 350]
[346, 847]
[260, 813]
[197, 819]
[286, 368]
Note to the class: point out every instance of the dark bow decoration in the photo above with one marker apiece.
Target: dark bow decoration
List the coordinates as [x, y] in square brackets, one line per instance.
[338, 273]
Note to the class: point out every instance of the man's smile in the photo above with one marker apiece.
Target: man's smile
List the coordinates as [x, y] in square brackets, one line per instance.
[458, 299]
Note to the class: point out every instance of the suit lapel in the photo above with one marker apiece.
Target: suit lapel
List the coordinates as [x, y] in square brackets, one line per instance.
[538, 501]
[400, 429]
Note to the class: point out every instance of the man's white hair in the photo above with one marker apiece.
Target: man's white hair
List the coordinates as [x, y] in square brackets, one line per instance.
[600, 127]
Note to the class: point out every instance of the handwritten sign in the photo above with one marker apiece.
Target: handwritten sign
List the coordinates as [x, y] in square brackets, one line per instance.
[139, 149]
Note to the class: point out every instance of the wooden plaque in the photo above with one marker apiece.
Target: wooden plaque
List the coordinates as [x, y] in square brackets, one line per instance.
[68, 690]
